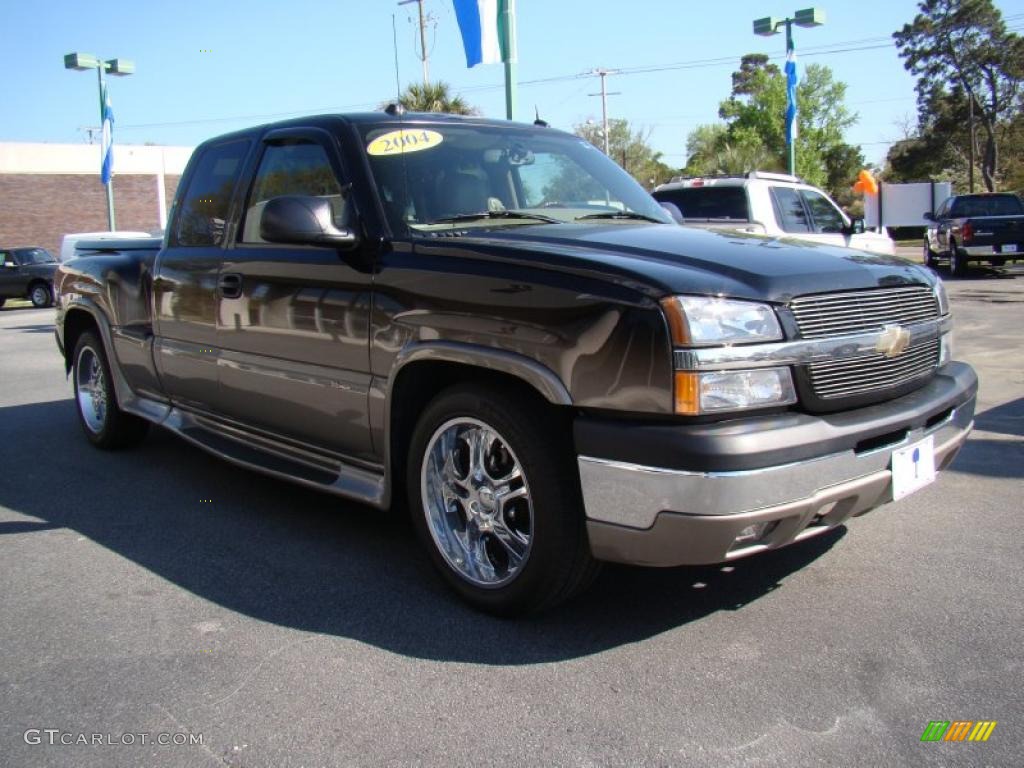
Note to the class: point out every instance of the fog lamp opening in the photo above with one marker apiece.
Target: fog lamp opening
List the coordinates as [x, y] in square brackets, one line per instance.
[754, 533]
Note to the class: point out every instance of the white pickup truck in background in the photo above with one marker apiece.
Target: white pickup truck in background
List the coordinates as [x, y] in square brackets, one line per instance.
[772, 204]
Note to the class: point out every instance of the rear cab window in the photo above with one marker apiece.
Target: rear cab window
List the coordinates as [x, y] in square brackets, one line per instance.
[204, 207]
[789, 209]
[709, 202]
[994, 205]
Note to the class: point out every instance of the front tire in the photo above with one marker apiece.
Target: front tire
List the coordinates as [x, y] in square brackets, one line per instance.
[495, 499]
[104, 423]
[41, 296]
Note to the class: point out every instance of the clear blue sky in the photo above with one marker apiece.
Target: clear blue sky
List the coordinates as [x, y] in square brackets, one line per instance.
[280, 59]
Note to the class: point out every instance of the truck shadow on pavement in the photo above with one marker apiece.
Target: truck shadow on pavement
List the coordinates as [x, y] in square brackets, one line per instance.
[297, 558]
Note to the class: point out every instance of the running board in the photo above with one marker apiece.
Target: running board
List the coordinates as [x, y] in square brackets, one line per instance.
[280, 460]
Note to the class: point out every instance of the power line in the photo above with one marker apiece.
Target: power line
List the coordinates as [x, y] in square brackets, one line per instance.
[862, 44]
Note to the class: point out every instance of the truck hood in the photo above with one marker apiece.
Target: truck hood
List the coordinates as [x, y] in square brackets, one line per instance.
[665, 259]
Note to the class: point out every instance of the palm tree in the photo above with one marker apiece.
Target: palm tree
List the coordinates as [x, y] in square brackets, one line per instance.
[434, 97]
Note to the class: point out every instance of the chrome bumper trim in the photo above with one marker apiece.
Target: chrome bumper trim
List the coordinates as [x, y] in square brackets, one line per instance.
[990, 250]
[633, 496]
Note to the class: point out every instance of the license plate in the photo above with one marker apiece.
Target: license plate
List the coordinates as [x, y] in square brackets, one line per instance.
[913, 468]
[1009, 248]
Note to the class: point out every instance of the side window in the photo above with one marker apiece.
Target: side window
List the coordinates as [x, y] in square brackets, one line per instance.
[203, 209]
[827, 218]
[790, 209]
[6, 258]
[296, 168]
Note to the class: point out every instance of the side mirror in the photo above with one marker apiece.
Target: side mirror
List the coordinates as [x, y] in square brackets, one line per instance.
[674, 212]
[304, 220]
[856, 227]
[928, 216]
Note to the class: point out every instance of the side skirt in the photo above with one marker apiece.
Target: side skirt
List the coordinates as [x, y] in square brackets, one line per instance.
[271, 456]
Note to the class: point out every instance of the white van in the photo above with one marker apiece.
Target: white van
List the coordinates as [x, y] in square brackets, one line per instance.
[67, 245]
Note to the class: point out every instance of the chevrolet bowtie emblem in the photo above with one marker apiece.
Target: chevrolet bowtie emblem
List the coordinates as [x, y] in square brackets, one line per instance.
[893, 341]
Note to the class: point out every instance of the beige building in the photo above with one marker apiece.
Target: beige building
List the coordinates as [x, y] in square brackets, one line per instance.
[50, 190]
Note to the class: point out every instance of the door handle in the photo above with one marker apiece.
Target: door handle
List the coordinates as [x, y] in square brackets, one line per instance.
[230, 285]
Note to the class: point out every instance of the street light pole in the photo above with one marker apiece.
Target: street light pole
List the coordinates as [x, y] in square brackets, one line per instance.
[808, 17]
[121, 67]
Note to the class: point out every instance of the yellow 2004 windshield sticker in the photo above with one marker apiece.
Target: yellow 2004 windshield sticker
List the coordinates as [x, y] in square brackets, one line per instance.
[401, 141]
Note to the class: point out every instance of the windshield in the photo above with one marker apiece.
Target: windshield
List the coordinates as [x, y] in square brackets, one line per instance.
[435, 177]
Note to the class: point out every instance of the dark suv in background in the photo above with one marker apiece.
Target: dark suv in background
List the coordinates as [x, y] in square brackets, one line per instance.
[27, 273]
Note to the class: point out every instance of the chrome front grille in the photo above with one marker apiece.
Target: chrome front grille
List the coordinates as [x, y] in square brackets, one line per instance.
[861, 375]
[838, 314]
[835, 314]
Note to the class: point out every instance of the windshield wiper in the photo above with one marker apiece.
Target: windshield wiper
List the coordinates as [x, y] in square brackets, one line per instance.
[620, 215]
[496, 215]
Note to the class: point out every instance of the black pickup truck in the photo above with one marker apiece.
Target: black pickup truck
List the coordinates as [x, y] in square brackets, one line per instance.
[493, 323]
[27, 273]
[966, 228]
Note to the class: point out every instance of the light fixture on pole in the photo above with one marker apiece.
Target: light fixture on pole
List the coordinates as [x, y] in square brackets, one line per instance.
[120, 67]
[809, 17]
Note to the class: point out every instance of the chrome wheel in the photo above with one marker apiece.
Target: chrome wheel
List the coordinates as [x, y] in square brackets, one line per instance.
[91, 389]
[477, 502]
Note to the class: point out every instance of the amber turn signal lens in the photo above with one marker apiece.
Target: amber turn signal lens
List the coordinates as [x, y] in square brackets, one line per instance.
[687, 396]
[677, 324]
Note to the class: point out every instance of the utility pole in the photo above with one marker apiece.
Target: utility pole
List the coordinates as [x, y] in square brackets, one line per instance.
[424, 56]
[604, 94]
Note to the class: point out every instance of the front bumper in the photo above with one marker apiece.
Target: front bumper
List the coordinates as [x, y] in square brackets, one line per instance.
[832, 467]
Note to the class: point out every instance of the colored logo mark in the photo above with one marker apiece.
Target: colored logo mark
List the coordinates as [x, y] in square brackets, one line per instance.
[958, 730]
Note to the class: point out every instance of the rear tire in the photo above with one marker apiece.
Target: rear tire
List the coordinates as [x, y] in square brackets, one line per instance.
[40, 295]
[104, 423]
[957, 261]
[495, 499]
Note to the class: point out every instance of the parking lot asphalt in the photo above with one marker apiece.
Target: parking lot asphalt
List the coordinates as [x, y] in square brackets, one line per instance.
[161, 591]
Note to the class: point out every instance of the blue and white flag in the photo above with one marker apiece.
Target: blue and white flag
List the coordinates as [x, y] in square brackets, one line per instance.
[792, 79]
[484, 34]
[107, 142]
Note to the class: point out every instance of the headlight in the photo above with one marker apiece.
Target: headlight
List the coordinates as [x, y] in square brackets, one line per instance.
[941, 296]
[702, 321]
[718, 391]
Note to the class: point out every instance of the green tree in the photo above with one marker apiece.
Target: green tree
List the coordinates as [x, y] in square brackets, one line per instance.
[963, 56]
[758, 103]
[752, 136]
[435, 97]
[630, 149]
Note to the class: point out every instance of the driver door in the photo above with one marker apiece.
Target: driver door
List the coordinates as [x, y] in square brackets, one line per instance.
[293, 320]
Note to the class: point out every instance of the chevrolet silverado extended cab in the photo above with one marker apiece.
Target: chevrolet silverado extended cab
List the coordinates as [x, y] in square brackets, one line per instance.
[495, 325]
[966, 228]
